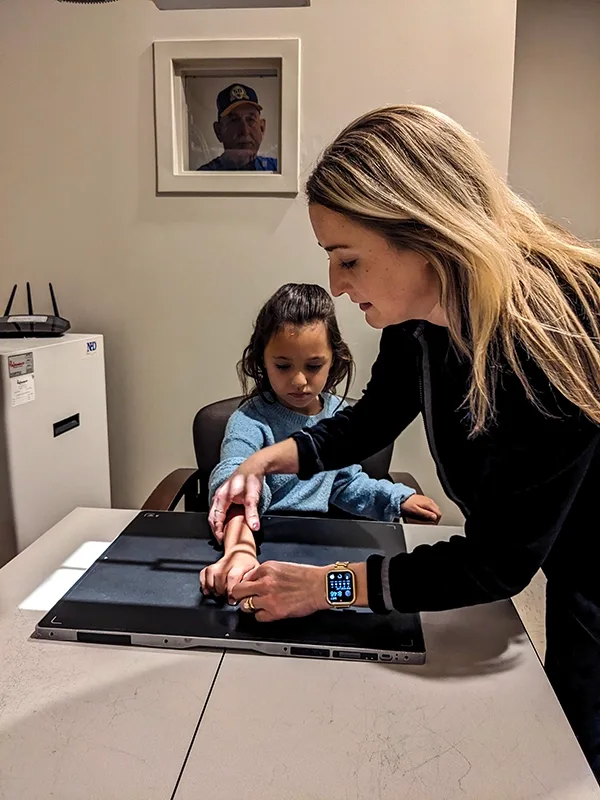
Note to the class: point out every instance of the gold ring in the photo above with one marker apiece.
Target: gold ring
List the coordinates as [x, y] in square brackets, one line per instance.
[250, 604]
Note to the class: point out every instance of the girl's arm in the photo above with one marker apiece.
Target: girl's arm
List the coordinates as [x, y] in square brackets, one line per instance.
[238, 536]
[358, 494]
[238, 559]
[355, 492]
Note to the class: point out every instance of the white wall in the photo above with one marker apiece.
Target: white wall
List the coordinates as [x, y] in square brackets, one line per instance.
[173, 282]
[555, 140]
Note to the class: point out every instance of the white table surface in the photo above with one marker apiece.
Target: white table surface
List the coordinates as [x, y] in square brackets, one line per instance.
[89, 722]
[95, 722]
[478, 721]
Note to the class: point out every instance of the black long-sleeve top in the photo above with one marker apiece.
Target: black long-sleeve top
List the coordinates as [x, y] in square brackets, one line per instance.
[529, 486]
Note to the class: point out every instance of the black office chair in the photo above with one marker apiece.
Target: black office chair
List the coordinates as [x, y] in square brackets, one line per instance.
[191, 485]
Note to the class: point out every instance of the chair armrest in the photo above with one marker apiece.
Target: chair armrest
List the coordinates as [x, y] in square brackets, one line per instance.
[181, 483]
[409, 480]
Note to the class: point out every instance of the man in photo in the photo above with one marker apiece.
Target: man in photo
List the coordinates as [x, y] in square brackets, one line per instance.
[240, 128]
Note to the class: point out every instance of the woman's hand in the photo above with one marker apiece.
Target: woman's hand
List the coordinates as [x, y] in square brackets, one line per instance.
[243, 488]
[417, 505]
[245, 485]
[281, 590]
[221, 577]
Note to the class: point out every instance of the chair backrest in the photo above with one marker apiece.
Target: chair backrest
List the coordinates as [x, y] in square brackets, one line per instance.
[208, 431]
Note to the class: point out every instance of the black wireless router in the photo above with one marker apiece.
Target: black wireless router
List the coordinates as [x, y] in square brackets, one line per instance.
[30, 324]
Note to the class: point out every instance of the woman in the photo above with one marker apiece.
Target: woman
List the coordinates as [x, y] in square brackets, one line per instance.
[490, 319]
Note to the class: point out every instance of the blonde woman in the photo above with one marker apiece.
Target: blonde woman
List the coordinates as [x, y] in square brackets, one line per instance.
[490, 318]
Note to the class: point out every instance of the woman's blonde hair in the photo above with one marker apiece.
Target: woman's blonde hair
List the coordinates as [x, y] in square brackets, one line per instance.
[512, 283]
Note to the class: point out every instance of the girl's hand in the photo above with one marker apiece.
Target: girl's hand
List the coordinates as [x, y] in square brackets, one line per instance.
[417, 505]
[280, 590]
[243, 488]
[221, 578]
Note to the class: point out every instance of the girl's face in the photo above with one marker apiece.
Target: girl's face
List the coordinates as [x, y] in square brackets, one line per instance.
[389, 285]
[298, 360]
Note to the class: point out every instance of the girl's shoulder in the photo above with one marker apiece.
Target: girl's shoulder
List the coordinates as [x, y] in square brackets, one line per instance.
[252, 408]
[332, 403]
[248, 422]
[261, 411]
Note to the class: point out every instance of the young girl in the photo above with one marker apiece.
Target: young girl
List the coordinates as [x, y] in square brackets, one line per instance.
[296, 359]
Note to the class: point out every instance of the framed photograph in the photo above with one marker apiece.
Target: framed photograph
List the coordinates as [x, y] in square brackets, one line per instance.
[177, 5]
[227, 116]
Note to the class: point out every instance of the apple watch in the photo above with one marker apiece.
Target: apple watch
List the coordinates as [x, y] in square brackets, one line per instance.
[340, 585]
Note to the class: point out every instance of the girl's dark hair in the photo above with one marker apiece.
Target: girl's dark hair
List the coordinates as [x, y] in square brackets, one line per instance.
[295, 304]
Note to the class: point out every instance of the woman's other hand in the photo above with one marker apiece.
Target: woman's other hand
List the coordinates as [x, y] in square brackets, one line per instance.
[243, 488]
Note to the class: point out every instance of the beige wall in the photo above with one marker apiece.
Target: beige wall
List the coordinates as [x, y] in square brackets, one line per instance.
[173, 282]
[555, 139]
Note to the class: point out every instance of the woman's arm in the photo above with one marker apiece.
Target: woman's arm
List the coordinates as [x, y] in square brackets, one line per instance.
[525, 495]
[389, 404]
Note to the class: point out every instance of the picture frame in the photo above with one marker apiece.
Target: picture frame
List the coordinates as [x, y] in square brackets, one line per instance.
[178, 5]
[227, 116]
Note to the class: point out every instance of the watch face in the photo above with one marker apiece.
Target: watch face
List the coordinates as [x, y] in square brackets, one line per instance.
[340, 586]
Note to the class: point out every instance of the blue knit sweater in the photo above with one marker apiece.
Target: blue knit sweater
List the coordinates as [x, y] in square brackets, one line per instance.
[258, 424]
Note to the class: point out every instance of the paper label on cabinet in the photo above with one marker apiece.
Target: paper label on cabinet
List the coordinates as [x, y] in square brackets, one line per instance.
[22, 389]
[21, 364]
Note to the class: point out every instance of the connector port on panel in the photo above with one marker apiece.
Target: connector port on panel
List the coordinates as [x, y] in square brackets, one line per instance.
[314, 652]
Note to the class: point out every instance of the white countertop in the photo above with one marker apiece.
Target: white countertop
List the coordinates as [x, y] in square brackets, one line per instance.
[91, 722]
[85, 722]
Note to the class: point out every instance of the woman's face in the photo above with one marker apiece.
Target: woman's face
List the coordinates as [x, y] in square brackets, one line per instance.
[389, 285]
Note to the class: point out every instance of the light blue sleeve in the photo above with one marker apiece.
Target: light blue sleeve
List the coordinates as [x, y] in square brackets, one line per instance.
[356, 493]
[243, 437]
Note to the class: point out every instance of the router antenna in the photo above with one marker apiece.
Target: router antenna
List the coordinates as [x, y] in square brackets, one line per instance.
[29, 300]
[10, 300]
[54, 303]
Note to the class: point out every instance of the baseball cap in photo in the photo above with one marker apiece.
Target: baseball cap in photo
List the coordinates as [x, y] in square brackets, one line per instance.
[235, 95]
